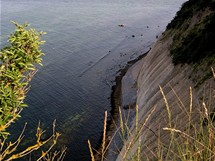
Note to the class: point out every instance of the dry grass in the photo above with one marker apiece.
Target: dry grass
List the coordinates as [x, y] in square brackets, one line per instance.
[195, 141]
[9, 150]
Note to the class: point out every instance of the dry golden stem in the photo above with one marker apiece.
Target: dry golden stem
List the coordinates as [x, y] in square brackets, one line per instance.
[137, 135]
[191, 102]
[206, 110]
[12, 147]
[136, 122]
[183, 108]
[188, 136]
[213, 72]
[91, 151]
[16, 114]
[167, 106]
[53, 144]
[121, 121]
[104, 136]
[111, 140]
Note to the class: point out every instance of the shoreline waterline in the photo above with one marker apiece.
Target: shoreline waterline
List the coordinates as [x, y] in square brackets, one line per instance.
[85, 51]
[116, 102]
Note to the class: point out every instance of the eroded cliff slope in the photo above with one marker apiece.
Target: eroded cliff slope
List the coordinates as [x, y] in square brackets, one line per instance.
[179, 62]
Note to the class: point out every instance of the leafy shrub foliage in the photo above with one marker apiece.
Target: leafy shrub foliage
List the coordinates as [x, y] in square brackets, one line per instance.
[17, 68]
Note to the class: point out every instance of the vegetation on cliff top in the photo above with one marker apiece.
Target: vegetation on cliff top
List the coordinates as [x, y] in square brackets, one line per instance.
[193, 43]
[188, 9]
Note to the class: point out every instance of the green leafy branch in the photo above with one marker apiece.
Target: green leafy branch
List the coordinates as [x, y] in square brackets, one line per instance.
[17, 69]
[18, 63]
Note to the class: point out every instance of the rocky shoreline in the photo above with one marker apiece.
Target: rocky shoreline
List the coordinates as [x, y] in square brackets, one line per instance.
[116, 101]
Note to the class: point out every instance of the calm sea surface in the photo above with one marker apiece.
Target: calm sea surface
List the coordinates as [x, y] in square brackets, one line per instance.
[84, 49]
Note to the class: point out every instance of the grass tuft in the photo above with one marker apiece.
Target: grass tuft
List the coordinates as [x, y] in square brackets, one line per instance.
[190, 138]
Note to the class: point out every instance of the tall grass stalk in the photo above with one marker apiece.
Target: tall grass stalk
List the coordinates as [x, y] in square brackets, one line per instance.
[193, 140]
[91, 151]
[213, 72]
[134, 136]
[167, 106]
[104, 136]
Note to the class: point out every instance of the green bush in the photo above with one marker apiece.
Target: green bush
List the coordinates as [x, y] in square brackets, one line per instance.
[188, 9]
[197, 44]
[17, 67]
[192, 44]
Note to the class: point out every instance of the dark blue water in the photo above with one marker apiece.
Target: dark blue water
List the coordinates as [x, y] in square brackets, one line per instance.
[84, 49]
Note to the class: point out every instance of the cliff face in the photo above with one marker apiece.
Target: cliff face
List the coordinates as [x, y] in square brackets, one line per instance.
[157, 69]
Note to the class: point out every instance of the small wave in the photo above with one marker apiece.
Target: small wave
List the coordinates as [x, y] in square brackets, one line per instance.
[103, 57]
[87, 69]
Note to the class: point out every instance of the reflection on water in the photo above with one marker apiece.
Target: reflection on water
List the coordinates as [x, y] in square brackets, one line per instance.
[85, 48]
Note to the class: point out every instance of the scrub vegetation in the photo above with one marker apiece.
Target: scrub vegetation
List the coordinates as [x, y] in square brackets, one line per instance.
[193, 137]
[195, 142]
[18, 63]
[193, 43]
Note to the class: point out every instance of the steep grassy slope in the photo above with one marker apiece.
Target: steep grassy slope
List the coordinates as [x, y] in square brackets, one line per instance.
[195, 37]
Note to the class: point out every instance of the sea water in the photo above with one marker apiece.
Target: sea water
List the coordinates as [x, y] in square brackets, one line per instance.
[85, 47]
